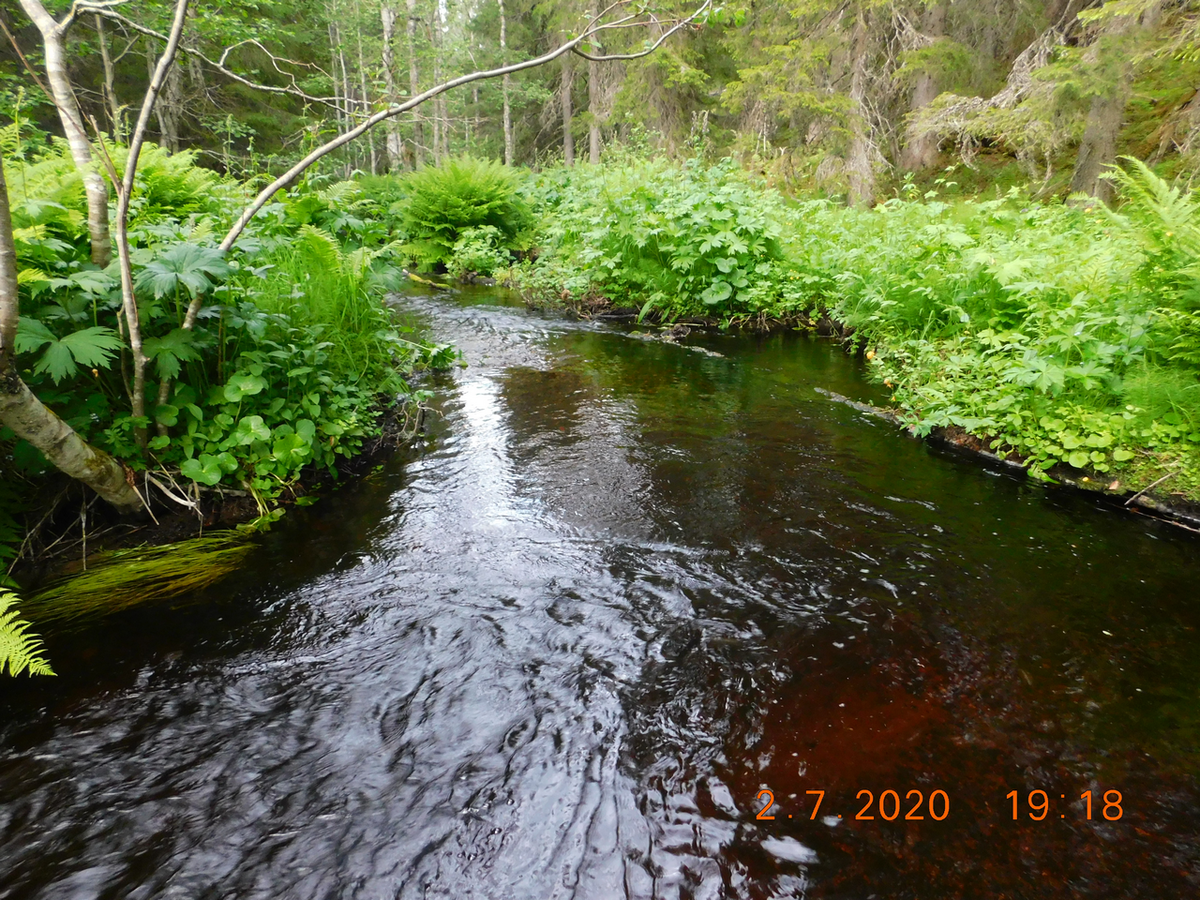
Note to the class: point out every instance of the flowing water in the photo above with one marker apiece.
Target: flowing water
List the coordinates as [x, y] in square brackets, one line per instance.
[620, 589]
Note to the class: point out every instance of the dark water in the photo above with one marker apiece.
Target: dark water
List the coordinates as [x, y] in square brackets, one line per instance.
[623, 587]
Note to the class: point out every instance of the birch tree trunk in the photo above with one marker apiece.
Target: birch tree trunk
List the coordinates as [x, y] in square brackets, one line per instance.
[859, 165]
[366, 103]
[441, 120]
[504, 89]
[158, 80]
[343, 117]
[593, 71]
[567, 115]
[346, 92]
[73, 128]
[26, 415]
[395, 148]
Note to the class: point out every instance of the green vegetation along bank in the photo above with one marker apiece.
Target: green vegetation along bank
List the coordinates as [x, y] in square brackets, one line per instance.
[1065, 337]
[286, 374]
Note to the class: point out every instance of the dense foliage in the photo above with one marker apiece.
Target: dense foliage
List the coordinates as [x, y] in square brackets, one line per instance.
[1061, 334]
[291, 359]
[464, 207]
[690, 240]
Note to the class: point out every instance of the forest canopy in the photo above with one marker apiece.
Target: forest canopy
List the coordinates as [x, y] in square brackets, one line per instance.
[844, 98]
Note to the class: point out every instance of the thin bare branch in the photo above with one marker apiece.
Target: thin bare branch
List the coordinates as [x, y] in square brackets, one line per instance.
[219, 64]
[619, 56]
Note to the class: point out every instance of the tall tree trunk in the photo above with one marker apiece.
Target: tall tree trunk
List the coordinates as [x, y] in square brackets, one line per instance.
[73, 129]
[366, 101]
[504, 89]
[593, 71]
[441, 107]
[414, 84]
[110, 81]
[1098, 148]
[860, 167]
[27, 416]
[167, 110]
[921, 147]
[436, 46]
[567, 115]
[346, 91]
[339, 103]
[158, 80]
[395, 148]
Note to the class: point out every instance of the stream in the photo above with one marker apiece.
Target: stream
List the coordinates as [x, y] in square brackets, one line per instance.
[618, 590]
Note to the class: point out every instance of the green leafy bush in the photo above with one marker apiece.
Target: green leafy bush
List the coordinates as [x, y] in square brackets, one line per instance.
[683, 240]
[289, 364]
[478, 251]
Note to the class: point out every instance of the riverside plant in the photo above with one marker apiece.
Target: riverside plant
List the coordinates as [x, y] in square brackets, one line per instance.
[291, 359]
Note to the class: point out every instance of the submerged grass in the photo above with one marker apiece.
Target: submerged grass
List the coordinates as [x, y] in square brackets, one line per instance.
[122, 579]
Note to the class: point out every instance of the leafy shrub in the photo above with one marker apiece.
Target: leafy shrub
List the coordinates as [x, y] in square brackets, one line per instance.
[478, 251]
[290, 357]
[444, 201]
[683, 240]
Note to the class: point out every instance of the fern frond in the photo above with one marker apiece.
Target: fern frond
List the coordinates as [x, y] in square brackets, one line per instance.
[19, 650]
[323, 246]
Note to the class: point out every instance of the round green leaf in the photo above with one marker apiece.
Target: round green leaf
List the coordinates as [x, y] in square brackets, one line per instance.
[243, 385]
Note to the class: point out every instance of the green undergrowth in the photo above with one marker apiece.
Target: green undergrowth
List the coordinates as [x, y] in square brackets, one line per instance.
[290, 366]
[1063, 335]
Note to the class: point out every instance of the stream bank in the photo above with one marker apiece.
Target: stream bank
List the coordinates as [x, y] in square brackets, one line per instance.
[1181, 509]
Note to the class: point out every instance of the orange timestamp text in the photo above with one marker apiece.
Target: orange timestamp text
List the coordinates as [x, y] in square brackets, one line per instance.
[915, 806]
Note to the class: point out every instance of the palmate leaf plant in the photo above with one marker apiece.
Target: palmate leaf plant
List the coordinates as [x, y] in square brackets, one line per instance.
[184, 267]
[89, 348]
[20, 651]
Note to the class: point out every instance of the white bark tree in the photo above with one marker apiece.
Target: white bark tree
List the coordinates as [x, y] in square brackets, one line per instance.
[505, 87]
[395, 146]
[53, 43]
